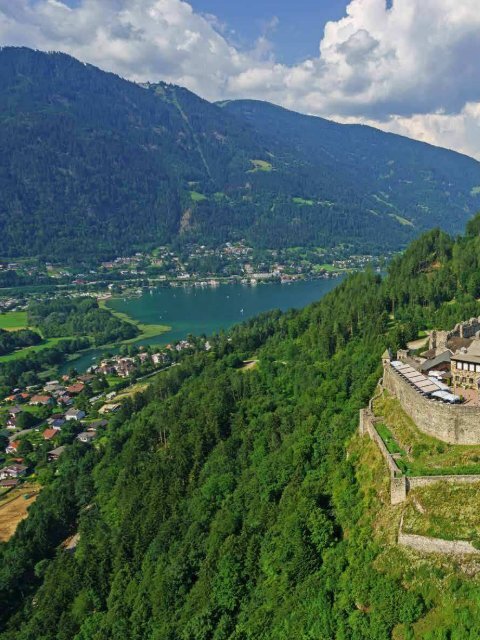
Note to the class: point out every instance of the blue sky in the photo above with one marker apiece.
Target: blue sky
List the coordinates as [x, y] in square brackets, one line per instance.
[300, 22]
[406, 66]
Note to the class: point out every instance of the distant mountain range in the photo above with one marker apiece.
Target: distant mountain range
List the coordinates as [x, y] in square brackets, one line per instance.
[92, 165]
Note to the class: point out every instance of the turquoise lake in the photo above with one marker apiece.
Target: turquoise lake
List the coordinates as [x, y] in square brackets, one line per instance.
[206, 310]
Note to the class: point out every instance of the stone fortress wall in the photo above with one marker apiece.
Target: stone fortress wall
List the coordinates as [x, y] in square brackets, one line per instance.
[367, 426]
[426, 544]
[454, 424]
[400, 484]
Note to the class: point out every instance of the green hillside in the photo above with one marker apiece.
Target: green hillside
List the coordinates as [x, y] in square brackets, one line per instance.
[222, 503]
[92, 166]
[396, 177]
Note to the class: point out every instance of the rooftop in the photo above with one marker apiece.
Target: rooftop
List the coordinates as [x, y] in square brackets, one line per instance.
[469, 354]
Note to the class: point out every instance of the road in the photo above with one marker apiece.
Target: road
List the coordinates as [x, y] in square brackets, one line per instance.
[18, 435]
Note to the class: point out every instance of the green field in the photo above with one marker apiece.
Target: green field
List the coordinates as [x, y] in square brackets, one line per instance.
[16, 355]
[13, 320]
[197, 197]
[326, 267]
[260, 165]
[303, 201]
[146, 330]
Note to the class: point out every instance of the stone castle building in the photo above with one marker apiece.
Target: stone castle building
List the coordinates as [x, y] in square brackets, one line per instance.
[459, 352]
[452, 423]
[465, 367]
[440, 390]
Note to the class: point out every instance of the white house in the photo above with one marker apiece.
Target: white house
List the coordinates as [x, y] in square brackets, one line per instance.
[75, 414]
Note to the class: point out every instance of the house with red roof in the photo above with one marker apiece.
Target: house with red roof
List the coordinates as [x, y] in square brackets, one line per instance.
[13, 447]
[41, 401]
[76, 388]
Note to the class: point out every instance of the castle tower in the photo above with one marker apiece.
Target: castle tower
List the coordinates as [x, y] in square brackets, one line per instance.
[386, 358]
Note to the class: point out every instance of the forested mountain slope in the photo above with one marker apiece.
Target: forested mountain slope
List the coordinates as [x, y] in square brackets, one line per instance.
[92, 165]
[397, 175]
[221, 504]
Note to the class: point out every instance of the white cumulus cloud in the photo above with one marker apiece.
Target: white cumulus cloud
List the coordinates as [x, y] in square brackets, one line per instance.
[411, 68]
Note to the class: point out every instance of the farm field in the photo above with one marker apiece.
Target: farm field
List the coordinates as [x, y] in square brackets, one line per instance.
[14, 508]
[16, 355]
[13, 320]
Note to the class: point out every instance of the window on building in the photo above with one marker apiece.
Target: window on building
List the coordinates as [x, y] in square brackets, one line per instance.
[477, 368]
[460, 365]
[472, 367]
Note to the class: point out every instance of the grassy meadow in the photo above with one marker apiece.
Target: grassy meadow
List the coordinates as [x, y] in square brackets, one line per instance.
[13, 320]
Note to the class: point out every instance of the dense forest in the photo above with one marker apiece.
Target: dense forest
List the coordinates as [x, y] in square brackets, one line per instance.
[66, 316]
[92, 166]
[221, 503]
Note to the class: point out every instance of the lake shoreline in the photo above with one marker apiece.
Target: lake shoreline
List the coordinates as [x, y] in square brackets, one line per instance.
[146, 330]
[199, 311]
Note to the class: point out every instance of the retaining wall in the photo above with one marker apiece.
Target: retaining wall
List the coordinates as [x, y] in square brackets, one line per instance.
[455, 424]
[424, 481]
[400, 485]
[367, 425]
[425, 544]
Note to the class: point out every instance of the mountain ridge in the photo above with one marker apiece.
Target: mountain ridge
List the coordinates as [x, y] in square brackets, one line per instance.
[346, 125]
[92, 166]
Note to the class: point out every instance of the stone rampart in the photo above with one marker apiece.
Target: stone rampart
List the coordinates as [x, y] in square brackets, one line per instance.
[398, 490]
[398, 482]
[400, 485]
[426, 544]
[367, 425]
[425, 481]
[455, 424]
